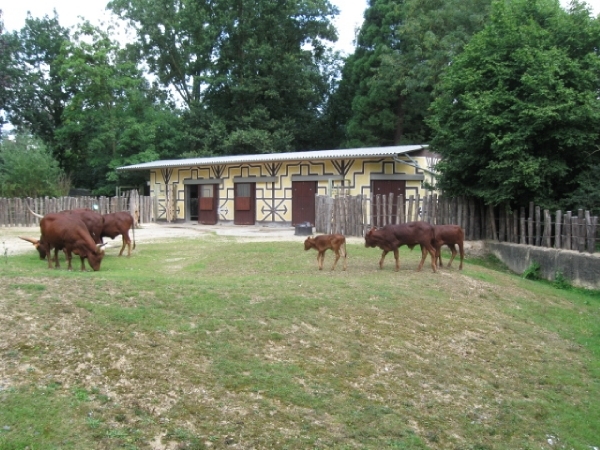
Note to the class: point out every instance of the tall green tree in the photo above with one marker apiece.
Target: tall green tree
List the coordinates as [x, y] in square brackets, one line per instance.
[36, 96]
[115, 116]
[5, 69]
[250, 72]
[517, 118]
[402, 48]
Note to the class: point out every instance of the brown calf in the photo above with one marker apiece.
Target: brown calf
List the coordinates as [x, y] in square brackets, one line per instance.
[326, 242]
[450, 235]
[391, 237]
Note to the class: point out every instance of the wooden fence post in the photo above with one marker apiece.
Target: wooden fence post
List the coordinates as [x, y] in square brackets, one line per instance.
[547, 229]
[568, 231]
[582, 230]
[538, 226]
[400, 209]
[557, 229]
[530, 237]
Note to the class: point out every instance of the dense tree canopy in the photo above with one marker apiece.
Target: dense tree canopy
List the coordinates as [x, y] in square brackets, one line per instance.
[36, 98]
[402, 48]
[252, 73]
[517, 116]
[113, 116]
[515, 113]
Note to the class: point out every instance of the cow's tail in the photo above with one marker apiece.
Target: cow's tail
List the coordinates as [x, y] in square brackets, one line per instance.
[133, 233]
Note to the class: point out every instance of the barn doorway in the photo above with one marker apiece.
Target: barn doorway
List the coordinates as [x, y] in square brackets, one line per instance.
[191, 195]
[245, 204]
[385, 188]
[303, 202]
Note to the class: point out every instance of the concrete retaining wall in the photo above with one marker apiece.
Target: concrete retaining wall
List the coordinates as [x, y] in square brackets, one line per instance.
[581, 269]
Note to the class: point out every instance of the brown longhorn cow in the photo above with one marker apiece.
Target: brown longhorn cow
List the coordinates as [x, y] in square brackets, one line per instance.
[67, 232]
[324, 242]
[119, 223]
[391, 237]
[92, 220]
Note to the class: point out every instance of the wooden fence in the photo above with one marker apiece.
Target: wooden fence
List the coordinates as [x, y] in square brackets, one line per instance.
[14, 212]
[353, 215]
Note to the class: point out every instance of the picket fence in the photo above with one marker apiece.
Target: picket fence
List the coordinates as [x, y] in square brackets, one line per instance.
[354, 215]
[14, 211]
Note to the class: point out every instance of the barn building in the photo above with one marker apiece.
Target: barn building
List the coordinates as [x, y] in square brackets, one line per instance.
[280, 188]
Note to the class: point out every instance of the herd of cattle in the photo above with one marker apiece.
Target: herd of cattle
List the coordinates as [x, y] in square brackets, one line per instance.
[80, 232]
[390, 238]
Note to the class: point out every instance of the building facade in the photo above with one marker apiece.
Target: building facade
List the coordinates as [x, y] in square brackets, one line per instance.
[280, 188]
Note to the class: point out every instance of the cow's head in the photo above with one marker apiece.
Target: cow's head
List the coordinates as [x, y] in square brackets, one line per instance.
[370, 238]
[309, 243]
[95, 258]
[36, 243]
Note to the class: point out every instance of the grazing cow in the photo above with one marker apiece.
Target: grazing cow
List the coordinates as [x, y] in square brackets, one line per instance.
[391, 237]
[119, 223]
[325, 242]
[92, 220]
[67, 232]
[450, 235]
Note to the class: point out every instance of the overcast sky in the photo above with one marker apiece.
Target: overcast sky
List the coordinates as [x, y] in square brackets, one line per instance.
[15, 11]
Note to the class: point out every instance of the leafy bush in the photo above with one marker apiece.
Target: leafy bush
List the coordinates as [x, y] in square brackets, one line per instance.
[560, 282]
[532, 272]
[28, 169]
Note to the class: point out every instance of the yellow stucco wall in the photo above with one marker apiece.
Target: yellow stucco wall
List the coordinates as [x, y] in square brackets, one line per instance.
[274, 183]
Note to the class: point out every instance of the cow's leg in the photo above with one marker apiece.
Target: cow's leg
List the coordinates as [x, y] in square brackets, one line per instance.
[397, 258]
[56, 262]
[438, 255]
[128, 244]
[385, 252]
[424, 251]
[345, 257]
[431, 251]
[69, 256]
[462, 255]
[454, 252]
[82, 264]
[337, 257]
[321, 259]
[49, 256]
[123, 246]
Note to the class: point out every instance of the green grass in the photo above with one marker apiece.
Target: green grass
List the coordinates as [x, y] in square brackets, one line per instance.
[213, 343]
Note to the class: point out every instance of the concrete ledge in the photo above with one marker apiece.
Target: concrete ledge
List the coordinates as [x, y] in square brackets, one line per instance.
[581, 269]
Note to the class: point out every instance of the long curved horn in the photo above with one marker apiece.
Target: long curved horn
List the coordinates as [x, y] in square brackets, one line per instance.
[35, 214]
[32, 240]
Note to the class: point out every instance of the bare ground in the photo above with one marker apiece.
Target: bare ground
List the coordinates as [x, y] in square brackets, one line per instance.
[11, 244]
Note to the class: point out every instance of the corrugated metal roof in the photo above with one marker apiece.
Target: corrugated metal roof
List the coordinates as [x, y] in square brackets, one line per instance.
[277, 157]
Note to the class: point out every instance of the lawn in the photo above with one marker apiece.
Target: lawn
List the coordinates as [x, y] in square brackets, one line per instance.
[213, 343]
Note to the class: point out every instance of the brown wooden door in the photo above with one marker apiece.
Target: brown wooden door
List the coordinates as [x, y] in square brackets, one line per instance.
[244, 204]
[385, 188]
[303, 202]
[208, 204]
